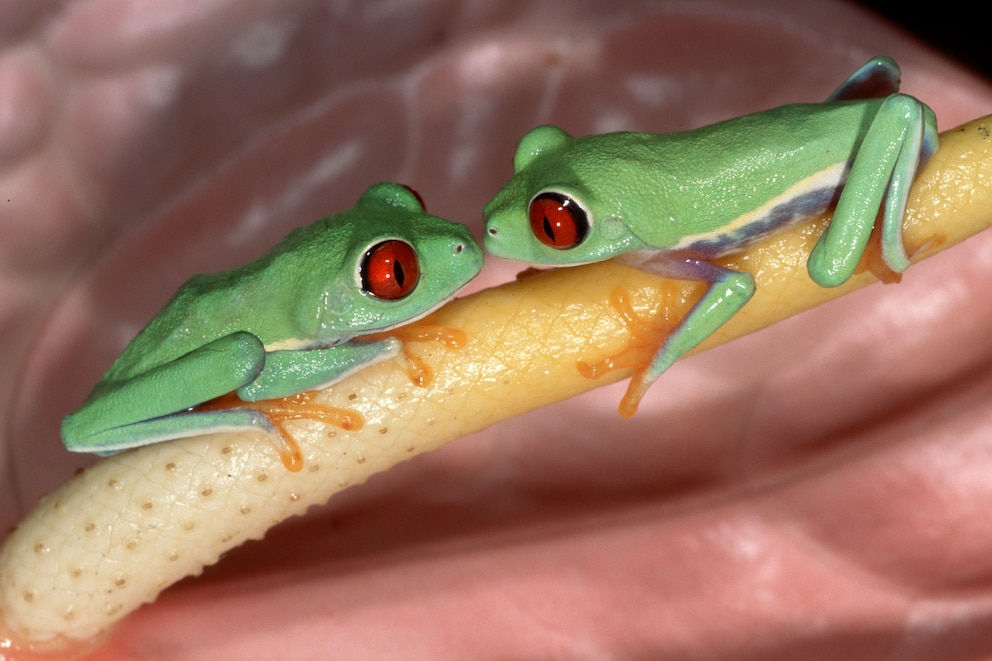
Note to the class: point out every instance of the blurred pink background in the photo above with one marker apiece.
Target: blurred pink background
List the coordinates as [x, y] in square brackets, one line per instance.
[816, 490]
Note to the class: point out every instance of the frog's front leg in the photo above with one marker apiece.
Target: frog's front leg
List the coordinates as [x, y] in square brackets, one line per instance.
[727, 292]
[900, 139]
[282, 392]
[292, 371]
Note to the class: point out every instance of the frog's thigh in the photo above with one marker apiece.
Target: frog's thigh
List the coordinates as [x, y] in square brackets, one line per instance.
[210, 371]
[293, 371]
[111, 418]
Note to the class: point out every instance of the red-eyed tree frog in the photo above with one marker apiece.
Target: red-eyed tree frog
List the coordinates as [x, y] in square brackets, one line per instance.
[670, 204]
[293, 320]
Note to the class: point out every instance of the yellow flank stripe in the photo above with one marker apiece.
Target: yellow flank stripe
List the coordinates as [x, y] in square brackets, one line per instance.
[830, 177]
[289, 344]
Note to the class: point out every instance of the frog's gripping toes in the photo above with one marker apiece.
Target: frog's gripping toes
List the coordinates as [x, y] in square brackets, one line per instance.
[304, 316]
[671, 204]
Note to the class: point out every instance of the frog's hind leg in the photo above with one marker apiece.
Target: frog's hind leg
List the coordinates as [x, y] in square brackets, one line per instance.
[876, 79]
[915, 151]
[113, 417]
[727, 292]
[902, 135]
[184, 424]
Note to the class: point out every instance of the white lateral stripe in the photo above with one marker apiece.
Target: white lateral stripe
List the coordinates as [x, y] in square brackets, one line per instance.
[289, 344]
[828, 178]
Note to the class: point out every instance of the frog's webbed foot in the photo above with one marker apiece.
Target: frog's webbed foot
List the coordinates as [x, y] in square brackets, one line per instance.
[277, 411]
[873, 259]
[726, 293]
[646, 337]
[421, 331]
[303, 372]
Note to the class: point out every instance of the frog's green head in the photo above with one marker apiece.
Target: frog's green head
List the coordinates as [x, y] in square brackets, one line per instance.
[389, 263]
[560, 207]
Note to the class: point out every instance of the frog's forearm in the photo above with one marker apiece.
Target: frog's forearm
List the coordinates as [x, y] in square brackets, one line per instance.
[122, 531]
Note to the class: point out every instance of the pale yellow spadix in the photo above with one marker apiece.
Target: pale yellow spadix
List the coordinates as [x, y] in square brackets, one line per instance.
[122, 531]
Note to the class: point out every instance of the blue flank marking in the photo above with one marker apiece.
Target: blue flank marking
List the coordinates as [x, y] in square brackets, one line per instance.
[782, 217]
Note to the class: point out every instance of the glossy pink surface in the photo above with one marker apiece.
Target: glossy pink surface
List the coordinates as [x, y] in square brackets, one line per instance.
[817, 490]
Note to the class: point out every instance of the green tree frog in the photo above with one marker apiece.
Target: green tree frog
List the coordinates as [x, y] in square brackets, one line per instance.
[296, 319]
[670, 204]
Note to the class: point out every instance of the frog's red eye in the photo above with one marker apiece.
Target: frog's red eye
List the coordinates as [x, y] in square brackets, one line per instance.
[558, 221]
[390, 270]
